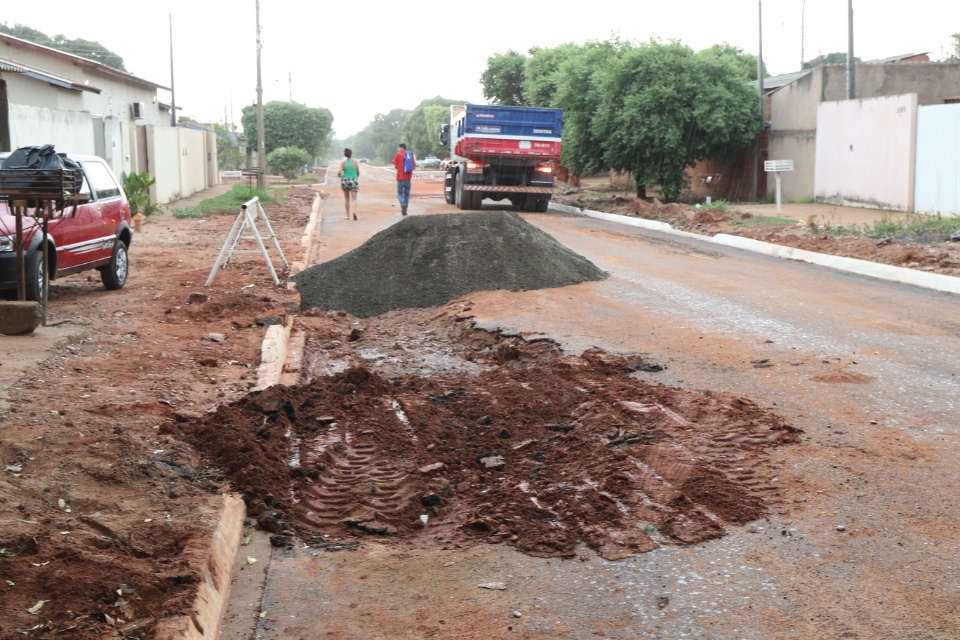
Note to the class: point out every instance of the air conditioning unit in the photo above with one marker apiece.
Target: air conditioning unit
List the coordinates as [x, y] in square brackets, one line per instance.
[139, 109]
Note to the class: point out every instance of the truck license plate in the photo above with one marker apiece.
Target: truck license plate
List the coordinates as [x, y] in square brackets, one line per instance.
[524, 144]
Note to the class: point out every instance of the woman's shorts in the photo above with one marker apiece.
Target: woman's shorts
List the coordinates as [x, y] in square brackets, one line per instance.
[349, 184]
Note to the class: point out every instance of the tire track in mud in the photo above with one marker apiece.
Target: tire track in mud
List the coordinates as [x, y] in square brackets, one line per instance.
[538, 450]
[353, 483]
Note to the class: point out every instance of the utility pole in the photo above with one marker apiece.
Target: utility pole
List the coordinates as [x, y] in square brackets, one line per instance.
[173, 95]
[851, 65]
[803, 11]
[261, 147]
[756, 160]
[290, 80]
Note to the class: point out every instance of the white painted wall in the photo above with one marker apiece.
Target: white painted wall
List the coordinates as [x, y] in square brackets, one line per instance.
[67, 131]
[938, 160]
[163, 156]
[193, 161]
[865, 152]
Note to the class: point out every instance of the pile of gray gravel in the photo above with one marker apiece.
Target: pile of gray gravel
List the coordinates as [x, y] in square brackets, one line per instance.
[426, 261]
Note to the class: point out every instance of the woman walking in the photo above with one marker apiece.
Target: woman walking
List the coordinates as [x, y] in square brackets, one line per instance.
[349, 175]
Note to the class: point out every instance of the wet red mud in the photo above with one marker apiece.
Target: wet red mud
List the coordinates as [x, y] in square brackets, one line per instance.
[541, 451]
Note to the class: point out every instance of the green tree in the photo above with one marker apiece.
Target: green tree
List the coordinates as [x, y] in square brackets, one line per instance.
[665, 108]
[503, 78]
[421, 132]
[581, 93]
[542, 76]
[837, 57]
[378, 140]
[79, 47]
[288, 161]
[746, 63]
[955, 54]
[230, 143]
[289, 124]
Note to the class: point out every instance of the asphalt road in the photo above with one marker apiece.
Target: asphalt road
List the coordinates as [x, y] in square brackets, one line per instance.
[864, 542]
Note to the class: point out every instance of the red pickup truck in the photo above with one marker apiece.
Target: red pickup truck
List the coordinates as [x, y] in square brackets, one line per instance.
[94, 236]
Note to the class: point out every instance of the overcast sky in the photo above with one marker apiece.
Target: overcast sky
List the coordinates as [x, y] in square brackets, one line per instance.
[362, 58]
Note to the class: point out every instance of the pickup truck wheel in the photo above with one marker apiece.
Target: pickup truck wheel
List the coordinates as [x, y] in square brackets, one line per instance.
[33, 273]
[114, 275]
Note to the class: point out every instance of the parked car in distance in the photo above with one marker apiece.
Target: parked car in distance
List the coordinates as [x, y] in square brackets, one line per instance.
[94, 235]
[430, 162]
[364, 161]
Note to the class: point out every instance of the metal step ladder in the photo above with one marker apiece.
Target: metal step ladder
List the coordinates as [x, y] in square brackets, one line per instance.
[250, 211]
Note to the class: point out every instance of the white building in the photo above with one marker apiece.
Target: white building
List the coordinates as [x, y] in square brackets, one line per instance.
[82, 106]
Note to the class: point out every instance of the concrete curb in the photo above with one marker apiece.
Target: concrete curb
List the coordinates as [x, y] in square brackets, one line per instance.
[204, 620]
[275, 349]
[935, 281]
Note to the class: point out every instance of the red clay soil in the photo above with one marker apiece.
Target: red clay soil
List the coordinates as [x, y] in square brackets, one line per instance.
[539, 450]
[104, 523]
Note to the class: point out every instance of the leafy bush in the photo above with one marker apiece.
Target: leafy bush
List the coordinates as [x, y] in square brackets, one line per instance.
[137, 187]
[288, 161]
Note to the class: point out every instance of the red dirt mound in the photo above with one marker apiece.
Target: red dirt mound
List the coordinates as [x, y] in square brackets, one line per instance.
[543, 456]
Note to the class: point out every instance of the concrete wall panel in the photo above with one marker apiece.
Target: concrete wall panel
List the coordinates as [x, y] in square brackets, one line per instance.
[938, 160]
[865, 152]
[164, 159]
[67, 131]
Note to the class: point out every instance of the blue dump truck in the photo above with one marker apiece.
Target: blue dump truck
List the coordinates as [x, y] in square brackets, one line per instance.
[501, 152]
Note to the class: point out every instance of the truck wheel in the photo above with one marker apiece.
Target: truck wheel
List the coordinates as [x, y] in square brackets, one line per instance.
[449, 184]
[463, 197]
[541, 205]
[33, 274]
[114, 275]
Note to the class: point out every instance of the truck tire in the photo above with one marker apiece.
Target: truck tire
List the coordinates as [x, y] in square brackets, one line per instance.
[475, 199]
[463, 197]
[541, 204]
[449, 186]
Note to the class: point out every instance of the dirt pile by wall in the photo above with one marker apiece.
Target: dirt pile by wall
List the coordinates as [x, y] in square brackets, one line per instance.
[538, 450]
[425, 261]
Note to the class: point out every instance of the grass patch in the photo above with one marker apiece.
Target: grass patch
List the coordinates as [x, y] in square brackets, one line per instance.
[757, 221]
[187, 212]
[719, 205]
[804, 200]
[906, 226]
[231, 200]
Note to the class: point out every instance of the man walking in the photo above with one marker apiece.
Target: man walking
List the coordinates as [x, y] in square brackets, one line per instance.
[405, 164]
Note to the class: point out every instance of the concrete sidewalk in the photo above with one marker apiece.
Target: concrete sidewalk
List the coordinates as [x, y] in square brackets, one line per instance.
[888, 272]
